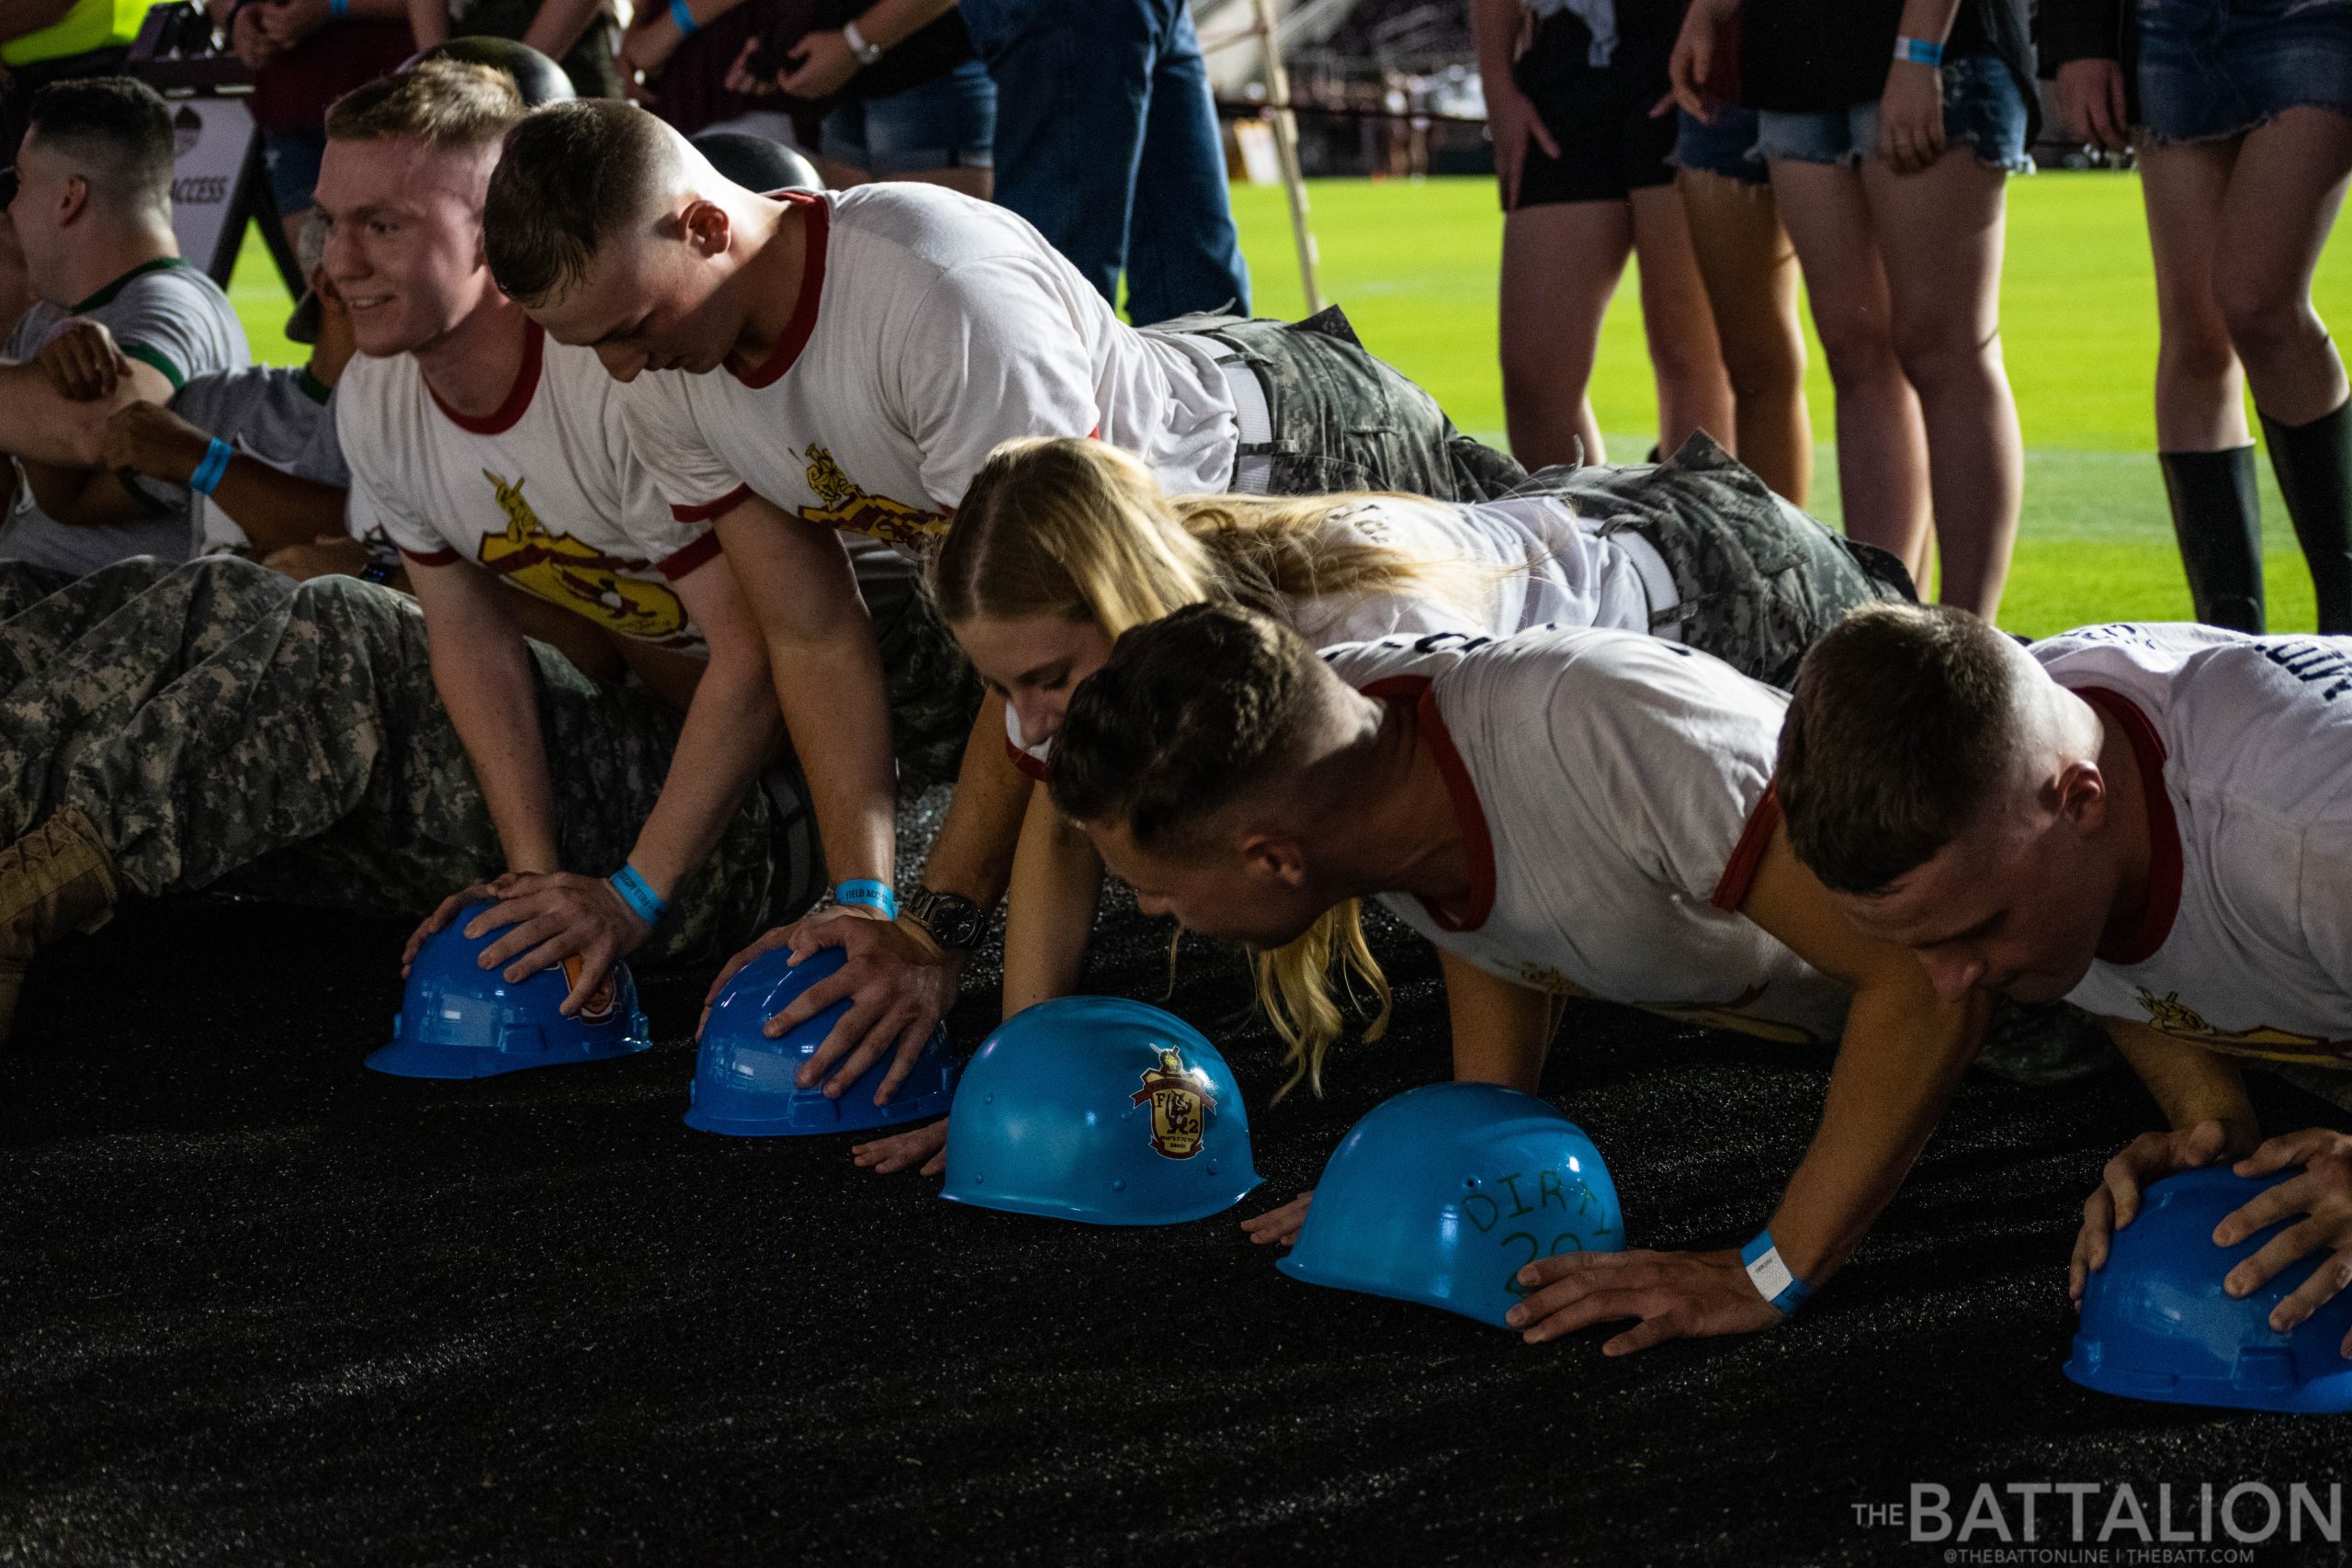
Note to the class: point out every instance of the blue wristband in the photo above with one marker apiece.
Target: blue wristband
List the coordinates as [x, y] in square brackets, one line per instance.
[684, 18]
[871, 895]
[1919, 51]
[339, 9]
[216, 462]
[1773, 1280]
[643, 902]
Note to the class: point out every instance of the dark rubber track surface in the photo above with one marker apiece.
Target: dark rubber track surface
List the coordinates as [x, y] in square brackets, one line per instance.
[258, 1306]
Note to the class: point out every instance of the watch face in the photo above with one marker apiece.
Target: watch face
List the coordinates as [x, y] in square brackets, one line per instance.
[953, 922]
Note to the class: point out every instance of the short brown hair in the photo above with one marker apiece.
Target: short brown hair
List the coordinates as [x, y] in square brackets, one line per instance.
[446, 104]
[118, 129]
[571, 176]
[1191, 714]
[1902, 730]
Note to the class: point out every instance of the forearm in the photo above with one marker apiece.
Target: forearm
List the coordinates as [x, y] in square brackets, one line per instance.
[1901, 1060]
[1049, 913]
[974, 854]
[81, 498]
[557, 25]
[836, 709]
[2189, 1083]
[428, 22]
[730, 730]
[276, 509]
[1494, 29]
[888, 23]
[1501, 1032]
[1929, 19]
[486, 684]
[38, 423]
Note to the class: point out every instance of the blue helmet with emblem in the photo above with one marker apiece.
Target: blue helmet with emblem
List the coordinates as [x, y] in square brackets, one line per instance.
[745, 1082]
[1102, 1110]
[2157, 1324]
[1442, 1194]
[460, 1021]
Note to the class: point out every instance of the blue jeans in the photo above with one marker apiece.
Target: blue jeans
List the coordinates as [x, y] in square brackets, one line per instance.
[949, 123]
[1099, 101]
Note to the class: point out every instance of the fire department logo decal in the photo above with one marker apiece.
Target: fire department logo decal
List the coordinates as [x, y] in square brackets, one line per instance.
[602, 1002]
[1181, 1103]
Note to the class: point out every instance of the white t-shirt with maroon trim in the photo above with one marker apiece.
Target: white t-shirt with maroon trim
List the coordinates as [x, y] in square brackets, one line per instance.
[2246, 944]
[1613, 791]
[1501, 566]
[543, 493]
[929, 328]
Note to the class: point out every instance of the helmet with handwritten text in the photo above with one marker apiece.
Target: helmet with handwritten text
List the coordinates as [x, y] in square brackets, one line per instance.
[1442, 1194]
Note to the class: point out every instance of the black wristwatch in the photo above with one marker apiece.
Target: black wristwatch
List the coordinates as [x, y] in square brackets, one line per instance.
[952, 920]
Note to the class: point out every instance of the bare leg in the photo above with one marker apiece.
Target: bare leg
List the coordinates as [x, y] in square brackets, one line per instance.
[2283, 200]
[1881, 444]
[1751, 274]
[2201, 388]
[1561, 264]
[1693, 393]
[1940, 232]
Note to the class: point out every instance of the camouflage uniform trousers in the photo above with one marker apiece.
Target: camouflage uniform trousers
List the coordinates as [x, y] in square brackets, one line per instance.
[224, 727]
[1758, 580]
[1344, 420]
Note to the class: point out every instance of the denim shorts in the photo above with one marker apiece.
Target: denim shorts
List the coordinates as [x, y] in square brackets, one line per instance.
[949, 123]
[1984, 108]
[1723, 147]
[2211, 69]
[292, 158]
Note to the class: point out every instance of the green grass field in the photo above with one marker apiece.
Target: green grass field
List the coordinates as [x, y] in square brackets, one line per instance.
[1415, 264]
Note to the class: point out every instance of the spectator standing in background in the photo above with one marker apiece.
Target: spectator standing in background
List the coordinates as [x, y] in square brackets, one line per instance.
[304, 54]
[93, 212]
[677, 60]
[1890, 128]
[1752, 282]
[1570, 87]
[1105, 140]
[2244, 110]
[59, 41]
[575, 34]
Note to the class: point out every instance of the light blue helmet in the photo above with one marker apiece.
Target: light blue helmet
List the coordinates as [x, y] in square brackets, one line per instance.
[460, 1021]
[2157, 1324]
[744, 1081]
[1102, 1110]
[1444, 1194]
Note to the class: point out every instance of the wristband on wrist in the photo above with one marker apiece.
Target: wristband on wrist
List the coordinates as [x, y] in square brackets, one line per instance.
[684, 18]
[1773, 1279]
[1919, 51]
[639, 894]
[867, 53]
[866, 893]
[208, 471]
[340, 10]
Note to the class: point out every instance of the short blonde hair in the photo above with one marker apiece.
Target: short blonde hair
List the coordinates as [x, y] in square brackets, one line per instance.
[445, 104]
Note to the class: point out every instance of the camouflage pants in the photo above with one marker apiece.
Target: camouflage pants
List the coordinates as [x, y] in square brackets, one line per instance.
[1344, 421]
[1758, 579]
[224, 727]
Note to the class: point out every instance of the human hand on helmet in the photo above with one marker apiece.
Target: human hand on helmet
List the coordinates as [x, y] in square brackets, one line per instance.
[926, 1144]
[472, 893]
[899, 982]
[1676, 1295]
[2149, 1158]
[2322, 1195]
[551, 916]
[1279, 1225]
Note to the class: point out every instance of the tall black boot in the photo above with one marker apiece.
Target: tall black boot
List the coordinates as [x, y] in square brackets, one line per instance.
[2217, 518]
[2314, 463]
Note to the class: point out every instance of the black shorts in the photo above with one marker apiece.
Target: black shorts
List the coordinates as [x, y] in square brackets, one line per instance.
[1611, 145]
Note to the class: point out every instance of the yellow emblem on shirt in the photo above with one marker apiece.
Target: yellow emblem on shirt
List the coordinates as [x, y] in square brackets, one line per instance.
[840, 504]
[578, 577]
[2168, 1014]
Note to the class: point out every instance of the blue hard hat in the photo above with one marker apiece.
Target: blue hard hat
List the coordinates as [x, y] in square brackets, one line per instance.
[460, 1021]
[1444, 1194]
[743, 1080]
[2157, 1324]
[1102, 1110]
